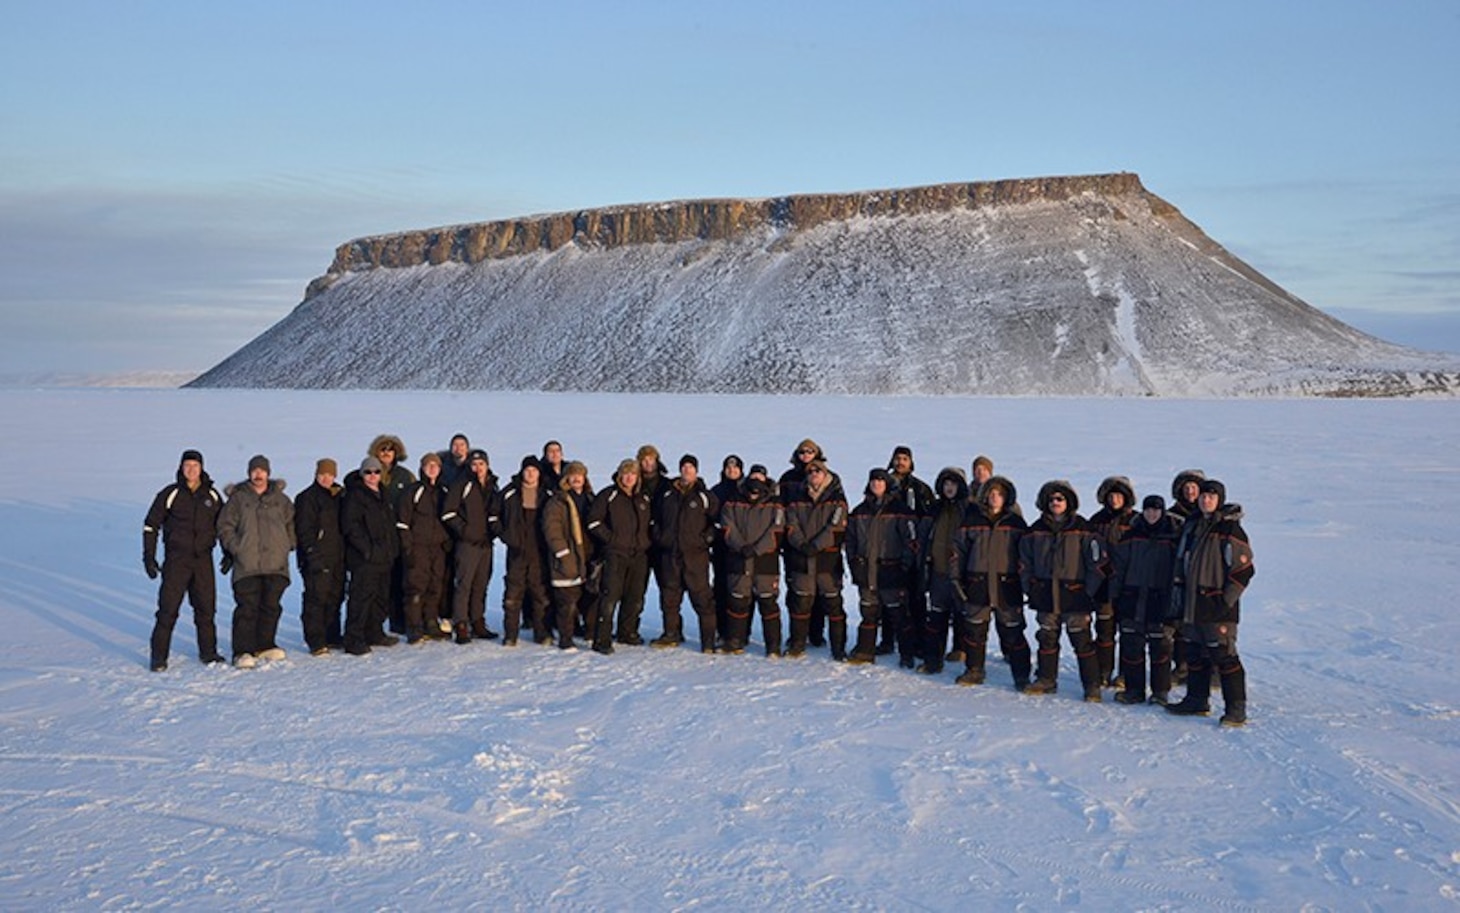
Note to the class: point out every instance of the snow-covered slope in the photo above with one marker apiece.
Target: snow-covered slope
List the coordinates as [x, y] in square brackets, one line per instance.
[446, 777]
[1096, 288]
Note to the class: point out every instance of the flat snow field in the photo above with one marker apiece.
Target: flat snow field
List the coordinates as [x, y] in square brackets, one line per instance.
[478, 777]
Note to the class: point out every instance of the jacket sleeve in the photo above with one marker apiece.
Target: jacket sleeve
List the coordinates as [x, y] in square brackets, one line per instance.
[1026, 563]
[598, 528]
[451, 510]
[1237, 558]
[152, 524]
[228, 532]
[826, 539]
[1096, 564]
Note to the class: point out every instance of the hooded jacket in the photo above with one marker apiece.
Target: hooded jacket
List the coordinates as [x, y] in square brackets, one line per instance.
[1214, 566]
[317, 528]
[257, 529]
[187, 520]
[754, 524]
[1181, 508]
[564, 526]
[939, 529]
[1109, 524]
[396, 482]
[1062, 562]
[989, 550]
[881, 535]
[792, 482]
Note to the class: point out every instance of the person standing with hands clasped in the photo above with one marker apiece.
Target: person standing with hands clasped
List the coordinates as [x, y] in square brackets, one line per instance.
[185, 516]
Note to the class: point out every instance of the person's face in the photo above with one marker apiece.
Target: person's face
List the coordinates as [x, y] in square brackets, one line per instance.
[627, 480]
[459, 448]
[806, 454]
[431, 470]
[1189, 491]
[258, 478]
[325, 479]
[950, 489]
[1208, 502]
[982, 473]
[530, 475]
[901, 464]
[386, 455]
[372, 478]
[688, 473]
[733, 472]
[647, 463]
[996, 499]
[553, 453]
[576, 482]
[878, 487]
[1115, 500]
[1152, 515]
[816, 476]
[192, 471]
[479, 469]
[1057, 504]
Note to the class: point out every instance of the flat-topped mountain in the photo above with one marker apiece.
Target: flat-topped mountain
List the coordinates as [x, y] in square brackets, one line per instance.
[1073, 286]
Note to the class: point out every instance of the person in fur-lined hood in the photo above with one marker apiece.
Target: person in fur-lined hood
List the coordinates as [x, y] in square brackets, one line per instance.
[1061, 563]
[1117, 499]
[395, 478]
[939, 531]
[988, 548]
[1213, 569]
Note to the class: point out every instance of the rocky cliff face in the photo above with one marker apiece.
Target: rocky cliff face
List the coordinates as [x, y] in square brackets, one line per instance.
[1078, 286]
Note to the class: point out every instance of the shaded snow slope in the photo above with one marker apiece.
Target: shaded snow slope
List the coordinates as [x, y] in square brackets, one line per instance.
[1097, 294]
[485, 778]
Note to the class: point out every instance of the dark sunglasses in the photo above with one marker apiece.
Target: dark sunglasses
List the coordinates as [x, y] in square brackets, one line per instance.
[372, 472]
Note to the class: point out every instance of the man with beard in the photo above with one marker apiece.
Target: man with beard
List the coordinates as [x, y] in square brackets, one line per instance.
[905, 632]
[564, 526]
[185, 516]
[256, 528]
[940, 567]
[816, 523]
[754, 523]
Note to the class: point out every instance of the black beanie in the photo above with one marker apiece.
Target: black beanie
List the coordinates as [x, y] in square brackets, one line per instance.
[1153, 502]
[690, 459]
[191, 455]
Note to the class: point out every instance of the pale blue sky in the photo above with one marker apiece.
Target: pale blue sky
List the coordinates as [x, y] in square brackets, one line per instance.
[172, 175]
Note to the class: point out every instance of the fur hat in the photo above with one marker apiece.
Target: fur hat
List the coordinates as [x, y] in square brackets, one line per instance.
[575, 468]
[647, 450]
[1060, 486]
[258, 461]
[904, 449]
[983, 461]
[395, 444]
[1011, 494]
[626, 467]
[1153, 502]
[326, 466]
[807, 444]
[1182, 477]
[1113, 484]
[817, 465]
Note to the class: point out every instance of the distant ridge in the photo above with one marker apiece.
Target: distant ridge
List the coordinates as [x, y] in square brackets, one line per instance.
[1086, 285]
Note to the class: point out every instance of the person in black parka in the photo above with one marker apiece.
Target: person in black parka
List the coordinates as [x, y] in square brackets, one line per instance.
[185, 516]
[321, 558]
[372, 544]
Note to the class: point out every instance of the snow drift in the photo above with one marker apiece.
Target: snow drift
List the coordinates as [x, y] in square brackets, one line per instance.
[1074, 286]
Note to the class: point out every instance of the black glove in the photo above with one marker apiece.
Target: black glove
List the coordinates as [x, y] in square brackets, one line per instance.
[149, 564]
[226, 564]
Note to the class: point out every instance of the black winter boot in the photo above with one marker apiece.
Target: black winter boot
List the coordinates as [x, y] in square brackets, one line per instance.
[1234, 696]
[770, 626]
[836, 630]
[865, 652]
[1047, 680]
[800, 627]
[1089, 664]
[1197, 701]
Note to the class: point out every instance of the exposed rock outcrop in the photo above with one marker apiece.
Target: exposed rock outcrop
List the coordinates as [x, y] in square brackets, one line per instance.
[1077, 285]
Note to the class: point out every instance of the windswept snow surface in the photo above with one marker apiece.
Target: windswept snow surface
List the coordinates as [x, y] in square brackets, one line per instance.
[446, 777]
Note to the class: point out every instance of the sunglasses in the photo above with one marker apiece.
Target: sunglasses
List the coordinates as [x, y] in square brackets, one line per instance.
[1056, 499]
[372, 472]
[805, 451]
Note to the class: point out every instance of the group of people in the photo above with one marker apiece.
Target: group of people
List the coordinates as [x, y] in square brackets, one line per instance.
[386, 548]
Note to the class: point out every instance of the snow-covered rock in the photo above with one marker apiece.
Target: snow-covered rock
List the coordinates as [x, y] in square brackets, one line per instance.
[1068, 286]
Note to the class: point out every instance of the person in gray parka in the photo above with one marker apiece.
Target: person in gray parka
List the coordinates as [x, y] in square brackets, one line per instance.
[256, 529]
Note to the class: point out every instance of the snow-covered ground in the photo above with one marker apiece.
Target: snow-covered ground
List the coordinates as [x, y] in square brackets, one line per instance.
[477, 777]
